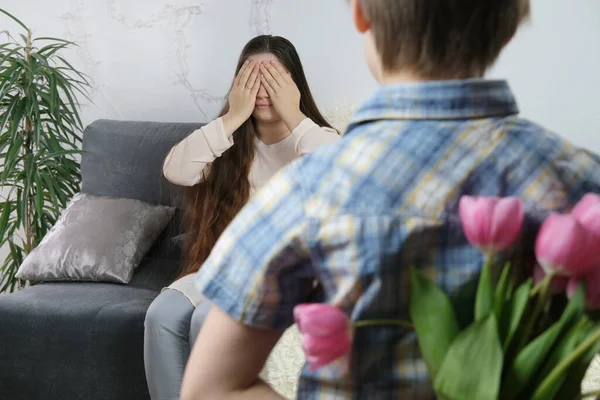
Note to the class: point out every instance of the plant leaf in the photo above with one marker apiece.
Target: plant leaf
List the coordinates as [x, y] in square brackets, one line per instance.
[14, 19]
[55, 40]
[40, 135]
[6, 116]
[56, 204]
[477, 348]
[53, 92]
[12, 157]
[18, 206]
[18, 112]
[54, 155]
[484, 302]
[81, 75]
[40, 59]
[10, 267]
[9, 54]
[74, 105]
[37, 123]
[433, 318]
[6, 209]
[51, 49]
[39, 194]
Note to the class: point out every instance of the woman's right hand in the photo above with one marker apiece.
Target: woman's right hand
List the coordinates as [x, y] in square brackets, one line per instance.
[242, 97]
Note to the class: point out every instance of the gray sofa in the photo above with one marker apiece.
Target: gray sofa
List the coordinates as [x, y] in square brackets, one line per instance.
[84, 341]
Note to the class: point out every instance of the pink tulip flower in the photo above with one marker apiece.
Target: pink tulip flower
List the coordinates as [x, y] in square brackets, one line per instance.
[565, 247]
[592, 287]
[587, 212]
[491, 223]
[325, 331]
[558, 284]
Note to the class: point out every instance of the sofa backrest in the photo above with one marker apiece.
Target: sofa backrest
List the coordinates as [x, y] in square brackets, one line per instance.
[123, 159]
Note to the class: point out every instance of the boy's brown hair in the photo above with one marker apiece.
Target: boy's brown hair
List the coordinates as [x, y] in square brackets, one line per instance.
[443, 38]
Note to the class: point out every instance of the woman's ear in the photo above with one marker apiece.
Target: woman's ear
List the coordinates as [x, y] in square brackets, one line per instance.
[360, 21]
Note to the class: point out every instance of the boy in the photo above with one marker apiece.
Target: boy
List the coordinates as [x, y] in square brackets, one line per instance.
[355, 216]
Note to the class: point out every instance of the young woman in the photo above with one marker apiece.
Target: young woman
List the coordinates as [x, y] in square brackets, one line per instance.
[270, 119]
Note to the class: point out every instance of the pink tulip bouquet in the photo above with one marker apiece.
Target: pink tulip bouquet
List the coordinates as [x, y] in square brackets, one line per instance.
[516, 346]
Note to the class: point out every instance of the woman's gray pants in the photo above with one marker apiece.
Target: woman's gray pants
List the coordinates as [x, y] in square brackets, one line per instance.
[171, 327]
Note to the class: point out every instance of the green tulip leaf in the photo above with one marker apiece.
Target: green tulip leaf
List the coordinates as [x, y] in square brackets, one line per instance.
[433, 317]
[514, 310]
[574, 310]
[472, 369]
[547, 389]
[571, 386]
[528, 362]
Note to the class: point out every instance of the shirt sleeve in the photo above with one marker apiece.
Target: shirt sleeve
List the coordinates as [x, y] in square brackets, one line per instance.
[186, 161]
[309, 136]
[260, 267]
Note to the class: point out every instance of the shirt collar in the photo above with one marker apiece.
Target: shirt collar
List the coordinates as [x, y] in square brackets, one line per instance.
[439, 100]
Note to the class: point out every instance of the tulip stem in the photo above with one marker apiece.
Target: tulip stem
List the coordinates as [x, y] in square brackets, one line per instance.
[579, 351]
[383, 322]
[489, 257]
[536, 289]
[539, 307]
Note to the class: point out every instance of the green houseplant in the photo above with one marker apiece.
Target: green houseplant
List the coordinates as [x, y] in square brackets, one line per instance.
[40, 136]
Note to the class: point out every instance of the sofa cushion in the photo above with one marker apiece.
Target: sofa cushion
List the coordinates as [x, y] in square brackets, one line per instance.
[73, 341]
[96, 239]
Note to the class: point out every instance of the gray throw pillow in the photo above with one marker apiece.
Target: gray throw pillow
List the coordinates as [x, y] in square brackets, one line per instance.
[96, 239]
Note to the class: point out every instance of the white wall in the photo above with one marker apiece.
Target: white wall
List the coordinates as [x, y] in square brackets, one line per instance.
[553, 66]
[173, 60]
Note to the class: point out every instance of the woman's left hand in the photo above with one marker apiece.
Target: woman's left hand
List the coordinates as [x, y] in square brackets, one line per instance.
[283, 92]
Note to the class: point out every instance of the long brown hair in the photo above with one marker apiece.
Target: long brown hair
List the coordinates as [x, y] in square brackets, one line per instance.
[225, 187]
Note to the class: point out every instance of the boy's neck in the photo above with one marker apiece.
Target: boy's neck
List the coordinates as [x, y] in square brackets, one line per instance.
[410, 76]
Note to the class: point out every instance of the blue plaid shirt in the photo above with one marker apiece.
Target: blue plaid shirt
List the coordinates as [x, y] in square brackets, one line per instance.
[354, 216]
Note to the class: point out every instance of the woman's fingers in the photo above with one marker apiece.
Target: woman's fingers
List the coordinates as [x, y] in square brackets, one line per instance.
[256, 86]
[240, 73]
[266, 74]
[267, 85]
[284, 74]
[279, 79]
[253, 77]
[246, 75]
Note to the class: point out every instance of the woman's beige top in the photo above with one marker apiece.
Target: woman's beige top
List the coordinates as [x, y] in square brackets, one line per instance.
[186, 161]
[184, 166]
